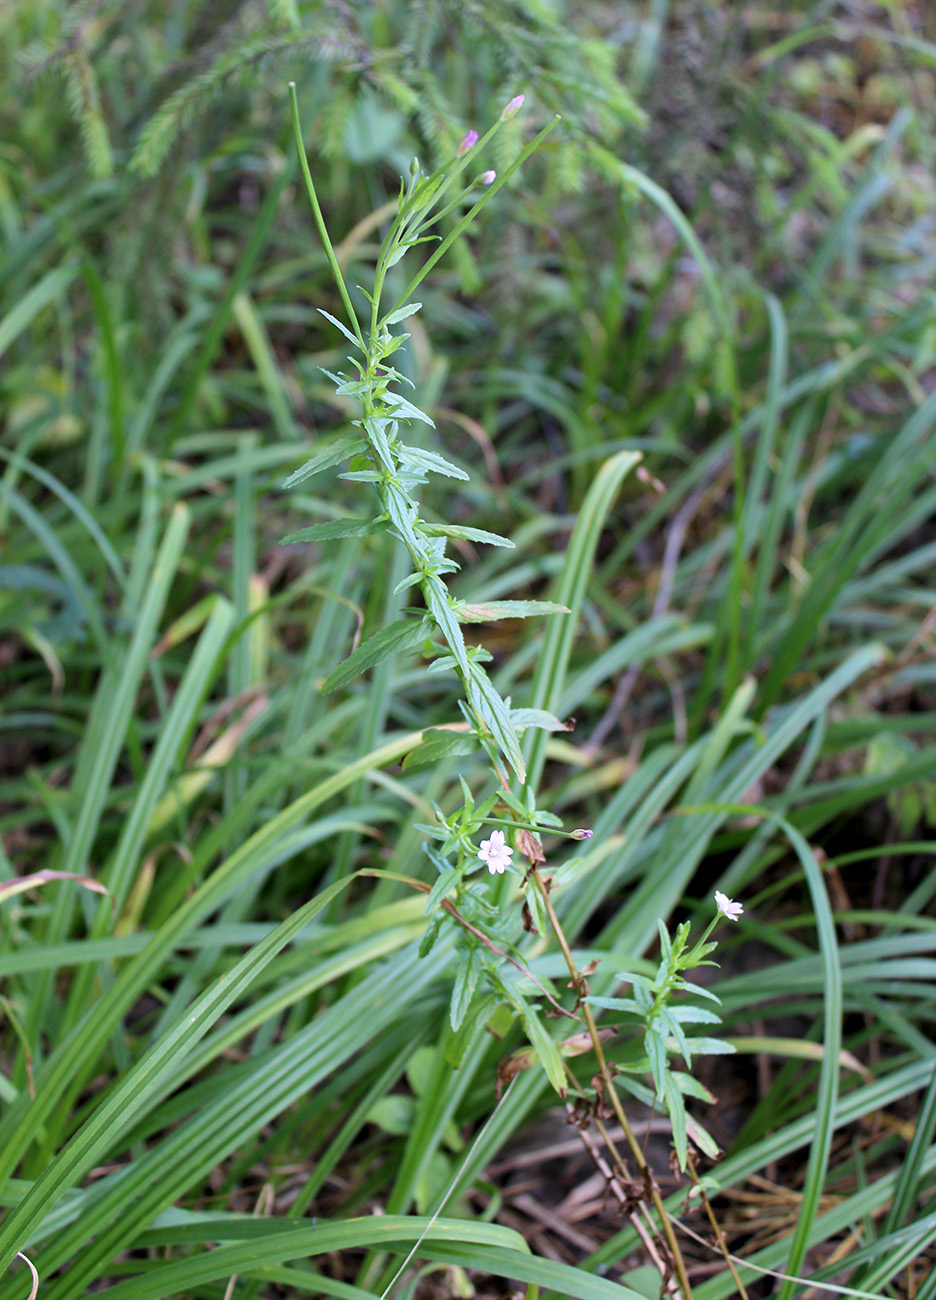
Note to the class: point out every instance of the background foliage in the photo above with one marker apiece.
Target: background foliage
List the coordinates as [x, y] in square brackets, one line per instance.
[723, 258]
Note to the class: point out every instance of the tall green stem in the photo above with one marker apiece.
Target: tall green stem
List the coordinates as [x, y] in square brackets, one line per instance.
[320, 220]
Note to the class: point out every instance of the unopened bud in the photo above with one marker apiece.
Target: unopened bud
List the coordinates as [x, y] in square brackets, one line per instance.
[467, 142]
[512, 109]
[581, 834]
[487, 178]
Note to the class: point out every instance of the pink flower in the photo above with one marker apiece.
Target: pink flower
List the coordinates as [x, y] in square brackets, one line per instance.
[486, 178]
[513, 108]
[467, 142]
[496, 853]
[727, 908]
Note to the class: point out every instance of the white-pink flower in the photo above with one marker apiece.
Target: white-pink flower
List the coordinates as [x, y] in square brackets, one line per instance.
[496, 852]
[487, 178]
[727, 908]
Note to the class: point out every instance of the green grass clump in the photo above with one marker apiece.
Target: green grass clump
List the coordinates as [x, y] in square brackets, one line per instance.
[235, 1063]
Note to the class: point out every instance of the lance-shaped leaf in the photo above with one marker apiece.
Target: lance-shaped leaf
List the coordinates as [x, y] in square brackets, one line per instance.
[446, 882]
[405, 410]
[402, 313]
[712, 1047]
[543, 1042]
[437, 745]
[467, 534]
[523, 718]
[363, 476]
[403, 516]
[339, 449]
[487, 702]
[491, 610]
[338, 325]
[333, 530]
[388, 641]
[430, 462]
[378, 431]
[437, 599]
[466, 981]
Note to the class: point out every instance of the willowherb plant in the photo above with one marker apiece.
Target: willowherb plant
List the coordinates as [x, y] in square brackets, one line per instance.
[395, 469]
[491, 975]
[664, 1035]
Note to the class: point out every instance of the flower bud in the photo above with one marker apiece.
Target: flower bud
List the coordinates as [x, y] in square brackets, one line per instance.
[581, 834]
[467, 142]
[486, 178]
[513, 108]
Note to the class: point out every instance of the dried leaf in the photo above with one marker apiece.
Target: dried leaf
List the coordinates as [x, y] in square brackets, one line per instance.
[20, 884]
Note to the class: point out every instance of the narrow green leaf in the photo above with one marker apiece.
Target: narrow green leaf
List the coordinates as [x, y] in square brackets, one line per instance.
[695, 1016]
[437, 599]
[402, 313]
[405, 410]
[438, 745]
[523, 718]
[333, 530]
[376, 430]
[466, 981]
[418, 458]
[910, 1183]
[677, 1112]
[712, 1047]
[656, 1053]
[344, 329]
[440, 889]
[611, 1004]
[339, 449]
[546, 1048]
[485, 698]
[491, 610]
[388, 641]
[261, 1242]
[467, 534]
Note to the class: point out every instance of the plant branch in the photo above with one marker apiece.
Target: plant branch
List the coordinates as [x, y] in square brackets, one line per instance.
[320, 220]
[577, 981]
[453, 912]
[719, 1235]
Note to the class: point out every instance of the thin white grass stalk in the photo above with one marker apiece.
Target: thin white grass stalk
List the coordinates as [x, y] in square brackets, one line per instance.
[782, 1277]
[454, 1183]
[35, 1275]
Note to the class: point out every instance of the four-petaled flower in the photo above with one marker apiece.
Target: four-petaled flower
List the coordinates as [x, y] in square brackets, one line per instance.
[496, 853]
[468, 141]
[727, 907]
